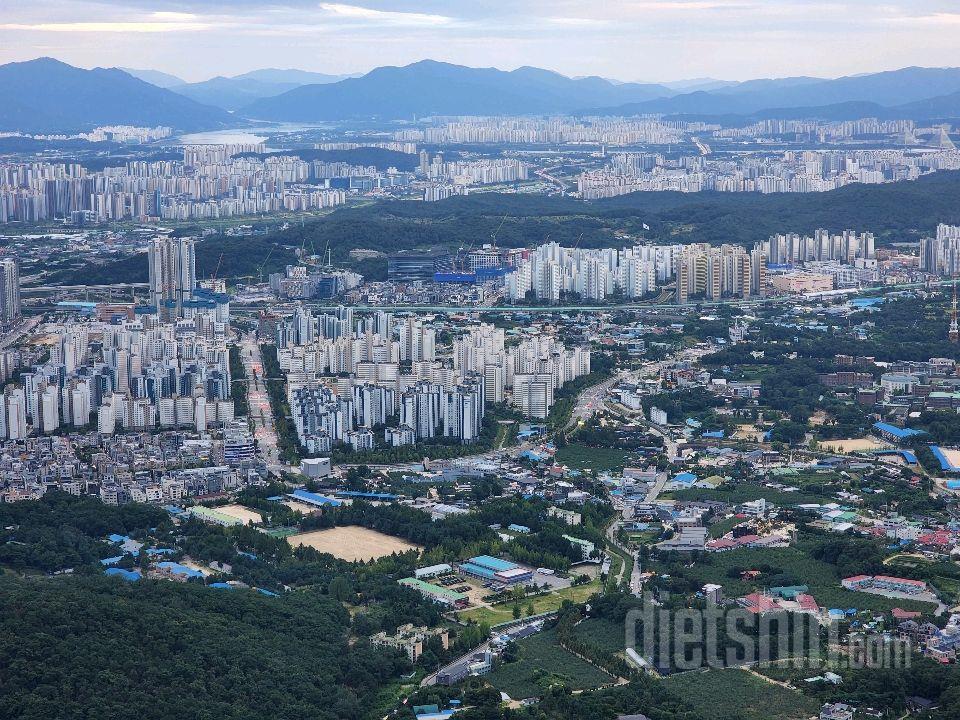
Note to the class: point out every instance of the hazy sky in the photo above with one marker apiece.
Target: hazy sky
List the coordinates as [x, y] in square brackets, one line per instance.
[626, 39]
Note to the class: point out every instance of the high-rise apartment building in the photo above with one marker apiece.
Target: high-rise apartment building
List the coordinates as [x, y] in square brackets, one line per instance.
[173, 274]
[9, 292]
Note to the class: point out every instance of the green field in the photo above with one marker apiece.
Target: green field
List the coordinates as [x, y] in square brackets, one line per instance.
[738, 695]
[581, 457]
[542, 664]
[502, 613]
[722, 527]
[821, 577]
[745, 492]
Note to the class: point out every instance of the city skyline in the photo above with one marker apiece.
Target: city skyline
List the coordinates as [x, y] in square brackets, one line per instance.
[652, 41]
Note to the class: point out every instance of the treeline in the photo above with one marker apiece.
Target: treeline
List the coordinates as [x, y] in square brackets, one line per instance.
[683, 403]
[894, 212]
[60, 531]
[288, 442]
[238, 388]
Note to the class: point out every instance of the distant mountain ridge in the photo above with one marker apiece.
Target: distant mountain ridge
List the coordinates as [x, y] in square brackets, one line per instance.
[429, 87]
[154, 77]
[231, 93]
[908, 90]
[46, 95]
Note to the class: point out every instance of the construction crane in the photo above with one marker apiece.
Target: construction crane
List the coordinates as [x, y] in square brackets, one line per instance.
[326, 251]
[264, 263]
[216, 270]
[493, 237]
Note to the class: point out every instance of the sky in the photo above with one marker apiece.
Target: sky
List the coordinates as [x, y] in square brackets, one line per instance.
[631, 40]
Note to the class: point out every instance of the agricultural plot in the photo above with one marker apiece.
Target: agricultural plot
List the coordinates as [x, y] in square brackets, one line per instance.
[496, 614]
[606, 636]
[821, 577]
[543, 663]
[745, 492]
[739, 695]
[581, 457]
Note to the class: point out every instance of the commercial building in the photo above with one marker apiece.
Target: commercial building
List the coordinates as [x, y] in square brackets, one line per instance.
[418, 266]
[802, 282]
[441, 595]
[496, 570]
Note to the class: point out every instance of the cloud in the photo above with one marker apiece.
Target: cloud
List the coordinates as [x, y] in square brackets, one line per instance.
[107, 27]
[385, 17]
[578, 22]
[935, 19]
[684, 6]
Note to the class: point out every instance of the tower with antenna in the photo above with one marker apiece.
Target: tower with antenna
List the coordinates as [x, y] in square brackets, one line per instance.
[954, 332]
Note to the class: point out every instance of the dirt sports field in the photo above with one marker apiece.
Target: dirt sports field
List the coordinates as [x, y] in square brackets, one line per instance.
[241, 513]
[352, 543]
[854, 445]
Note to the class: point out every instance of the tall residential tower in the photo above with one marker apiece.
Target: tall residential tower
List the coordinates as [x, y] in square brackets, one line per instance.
[173, 274]
[9, 292]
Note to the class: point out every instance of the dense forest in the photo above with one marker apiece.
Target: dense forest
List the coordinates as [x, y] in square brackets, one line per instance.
[894, 212]
[96, 647]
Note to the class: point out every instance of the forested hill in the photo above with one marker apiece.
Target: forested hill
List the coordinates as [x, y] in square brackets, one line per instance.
[93, 647]
[894, 212]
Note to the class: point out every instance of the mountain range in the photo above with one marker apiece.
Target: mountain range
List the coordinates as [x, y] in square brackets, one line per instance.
[435, 88]
[46, 95]
[49, 96]
[432, 88]
[914, 92]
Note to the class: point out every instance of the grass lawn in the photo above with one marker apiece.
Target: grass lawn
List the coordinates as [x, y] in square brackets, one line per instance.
[737, 695]
[542, 664]
[542, 603]
[821, 577]
[580, 457]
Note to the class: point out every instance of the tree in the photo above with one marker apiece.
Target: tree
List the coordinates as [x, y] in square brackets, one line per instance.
[340, 589]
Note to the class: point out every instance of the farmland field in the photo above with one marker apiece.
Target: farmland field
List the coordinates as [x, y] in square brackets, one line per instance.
[580, 457]
[542, 603]
[352, 543]
[605, 635]
[722, 527]
[821, 577]
[738, 695]
[744, 492]
[543, 663]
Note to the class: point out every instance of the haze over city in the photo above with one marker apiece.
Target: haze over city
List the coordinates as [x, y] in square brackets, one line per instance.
[490, 360]
[644, 40]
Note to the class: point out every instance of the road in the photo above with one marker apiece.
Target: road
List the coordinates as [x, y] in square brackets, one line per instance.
[591, 400]
[261, 414]
[613, 307]
[636, 583]
[23, 328]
